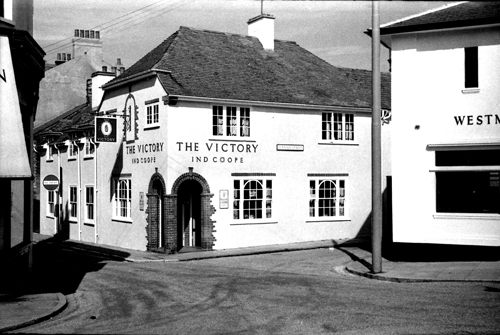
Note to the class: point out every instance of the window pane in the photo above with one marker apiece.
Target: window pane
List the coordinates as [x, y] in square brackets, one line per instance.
[326, 126]
[217, 121]
[245, 122]
[468, 158]
[232, 123]
[471, 67]
[468, 192]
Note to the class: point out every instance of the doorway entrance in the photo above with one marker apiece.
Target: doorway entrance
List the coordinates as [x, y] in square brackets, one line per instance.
[189, 232]
[157, 197]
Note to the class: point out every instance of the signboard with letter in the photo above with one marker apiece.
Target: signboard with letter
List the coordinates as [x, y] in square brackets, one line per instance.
[105, 129]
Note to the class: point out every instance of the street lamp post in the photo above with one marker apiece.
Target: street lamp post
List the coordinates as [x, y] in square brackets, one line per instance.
[376, 145]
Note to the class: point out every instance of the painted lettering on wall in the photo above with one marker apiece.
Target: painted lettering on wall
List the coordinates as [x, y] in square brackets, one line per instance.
[144, 150]
[220, 148]
[470, 120]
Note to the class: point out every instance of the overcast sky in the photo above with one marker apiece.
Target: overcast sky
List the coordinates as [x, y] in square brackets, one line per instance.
[332, 30]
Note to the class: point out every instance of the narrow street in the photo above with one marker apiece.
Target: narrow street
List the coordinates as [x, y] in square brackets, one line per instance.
[300, 292]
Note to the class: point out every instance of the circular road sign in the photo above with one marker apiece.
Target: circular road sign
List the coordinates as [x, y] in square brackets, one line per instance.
[50, 182]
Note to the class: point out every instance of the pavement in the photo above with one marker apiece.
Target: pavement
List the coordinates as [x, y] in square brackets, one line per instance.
[405, 263]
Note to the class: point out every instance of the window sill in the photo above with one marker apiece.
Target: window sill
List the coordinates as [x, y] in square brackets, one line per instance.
[50, 216]
[124, 220]
[88, 157]
[466, 216]
[90, 224]
[339, 143]
[328, 219]
[73, 220]
[470, 90]
[152, 126]
[232, 139]
[72, 158]
[252, 222]
[50, 160]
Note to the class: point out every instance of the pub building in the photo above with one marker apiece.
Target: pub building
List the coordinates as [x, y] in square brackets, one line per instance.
[446, 127]
[215, 140]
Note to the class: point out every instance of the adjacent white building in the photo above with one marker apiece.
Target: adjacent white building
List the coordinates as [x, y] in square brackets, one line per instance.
[446, 125]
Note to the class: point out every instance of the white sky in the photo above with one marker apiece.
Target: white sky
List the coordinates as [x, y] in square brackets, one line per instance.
[332, 30]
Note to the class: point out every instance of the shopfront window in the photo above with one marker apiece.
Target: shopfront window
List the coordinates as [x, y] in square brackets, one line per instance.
[470, 182]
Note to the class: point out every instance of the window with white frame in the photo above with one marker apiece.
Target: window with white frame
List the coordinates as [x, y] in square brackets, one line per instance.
[337, 126]
[72, 150]
[229, 121]
[152, 115]
[122, 198]
[468, 181]
[252, 199]
[73, 202]
[50, 153]
[51, 202]
[327, 197]
[89, 203]
[89, 148]
[471, 67]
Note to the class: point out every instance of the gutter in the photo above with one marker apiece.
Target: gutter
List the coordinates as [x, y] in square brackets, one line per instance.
[173, 99]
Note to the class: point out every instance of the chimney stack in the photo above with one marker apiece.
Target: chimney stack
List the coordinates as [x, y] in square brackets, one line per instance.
[262, 27]
[87, 42]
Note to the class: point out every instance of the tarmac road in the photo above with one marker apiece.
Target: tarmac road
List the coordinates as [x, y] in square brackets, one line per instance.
[299, 292]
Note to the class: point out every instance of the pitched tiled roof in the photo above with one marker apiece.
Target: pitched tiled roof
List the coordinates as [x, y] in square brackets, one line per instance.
[212, 64]
[77, 118]
[458, 15]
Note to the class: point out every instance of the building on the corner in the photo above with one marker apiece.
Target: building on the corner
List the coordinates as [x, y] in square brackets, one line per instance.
[446, 124]
[222, 141]
[21, 69]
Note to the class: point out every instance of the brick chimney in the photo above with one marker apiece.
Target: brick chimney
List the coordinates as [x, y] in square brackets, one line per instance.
[262, 27]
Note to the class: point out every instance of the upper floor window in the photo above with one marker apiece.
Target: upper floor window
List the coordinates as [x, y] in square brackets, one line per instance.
[337, 126]
[50, 153]
[471, 67]
[89, 148]
[152, 115]
[72, 150]
[230, 121]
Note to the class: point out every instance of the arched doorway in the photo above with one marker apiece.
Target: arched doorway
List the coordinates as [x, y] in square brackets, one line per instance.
[156, 228]
[157, 196]
[189, 215]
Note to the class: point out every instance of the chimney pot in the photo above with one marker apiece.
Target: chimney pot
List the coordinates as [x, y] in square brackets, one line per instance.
[92, 34]
[82, 33]
[77, 32]
[97, 35]
[118, 61]
[104, 68]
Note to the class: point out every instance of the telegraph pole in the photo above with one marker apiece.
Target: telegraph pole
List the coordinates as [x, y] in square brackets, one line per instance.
[376, 145]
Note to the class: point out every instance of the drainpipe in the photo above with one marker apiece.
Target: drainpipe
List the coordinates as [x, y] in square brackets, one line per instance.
[79, 180]
[59, 201]
[96, 235]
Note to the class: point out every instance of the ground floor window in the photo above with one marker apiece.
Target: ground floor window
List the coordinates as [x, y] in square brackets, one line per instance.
[327, 197]
[73, 202]
[468, 181]
[89, 203]
[122, 198]
[252, 199]
[51, 204]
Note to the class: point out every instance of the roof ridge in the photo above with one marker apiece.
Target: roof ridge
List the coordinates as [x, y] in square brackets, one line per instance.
[215, 32]
[423, 13]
